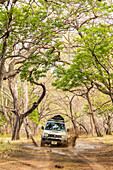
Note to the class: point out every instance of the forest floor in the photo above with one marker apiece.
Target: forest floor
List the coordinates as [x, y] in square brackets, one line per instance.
[88, 154]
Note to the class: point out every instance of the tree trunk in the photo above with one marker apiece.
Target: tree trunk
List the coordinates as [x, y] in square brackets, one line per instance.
[20, 117]
[26, 128]
[35, 126]
[108, 129]
[2, 68]
[14, 92]
[75, 135]
[92, 125]
[93, 116]
[25, 106]
[96, 126]
[18, 124]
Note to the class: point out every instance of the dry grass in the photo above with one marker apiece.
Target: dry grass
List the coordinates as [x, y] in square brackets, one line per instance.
[106, 139]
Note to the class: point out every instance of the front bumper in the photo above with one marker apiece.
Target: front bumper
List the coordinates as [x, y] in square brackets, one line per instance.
[54, 141]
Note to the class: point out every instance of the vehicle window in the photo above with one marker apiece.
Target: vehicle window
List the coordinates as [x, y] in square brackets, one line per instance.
[55, 126]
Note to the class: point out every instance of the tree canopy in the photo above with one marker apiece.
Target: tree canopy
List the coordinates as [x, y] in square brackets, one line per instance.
[92, 55]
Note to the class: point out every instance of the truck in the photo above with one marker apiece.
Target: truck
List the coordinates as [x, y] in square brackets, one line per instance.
[54, 132]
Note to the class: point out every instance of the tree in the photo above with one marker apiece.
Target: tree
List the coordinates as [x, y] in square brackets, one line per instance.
[91, 63]
[104, 109]
[27, 32]
[6, 107]
[17, 111]
[29, 37]
[70, 107]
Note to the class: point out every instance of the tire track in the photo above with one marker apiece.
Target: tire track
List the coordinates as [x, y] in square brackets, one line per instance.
[92, 163]
[73, 153]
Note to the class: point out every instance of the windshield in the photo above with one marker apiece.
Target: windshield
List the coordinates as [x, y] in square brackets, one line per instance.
[55, 126]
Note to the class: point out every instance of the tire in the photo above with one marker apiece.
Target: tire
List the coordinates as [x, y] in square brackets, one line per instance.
[42, 143]
[65, 144]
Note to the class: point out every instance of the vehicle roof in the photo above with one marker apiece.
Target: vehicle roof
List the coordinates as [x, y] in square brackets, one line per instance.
[57, 118]
[53, 120]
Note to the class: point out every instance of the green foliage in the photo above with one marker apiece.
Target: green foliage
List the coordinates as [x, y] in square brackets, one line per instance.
[92, 61]
[40, 64]
[34, 117]
[102, 106]
[2, 120]
[31, 25]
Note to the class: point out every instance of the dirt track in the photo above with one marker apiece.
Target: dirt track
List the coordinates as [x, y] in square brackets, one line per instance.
[49, 158]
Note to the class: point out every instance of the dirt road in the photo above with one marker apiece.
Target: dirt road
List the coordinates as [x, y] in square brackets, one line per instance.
[82, 157]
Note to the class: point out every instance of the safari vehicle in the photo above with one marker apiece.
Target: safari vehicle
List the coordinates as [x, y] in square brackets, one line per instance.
[54, 132]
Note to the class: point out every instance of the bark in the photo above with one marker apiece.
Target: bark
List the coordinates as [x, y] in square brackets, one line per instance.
[25, 106]
[108, 129]
[76, 133]
[35, 104]
[21, 117]
[4, 112]
[93, 116]
[35, 126]
[1, 77]
[34, 143]
[92, 125]
[96, 125]
[26, 128]
[19, 120]
[83, 127]
[16, 131]
[14, 93]
[29, 133]
[4, 49]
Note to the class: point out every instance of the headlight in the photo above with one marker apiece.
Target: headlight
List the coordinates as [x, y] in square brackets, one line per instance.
[64, 137]
[45, 135]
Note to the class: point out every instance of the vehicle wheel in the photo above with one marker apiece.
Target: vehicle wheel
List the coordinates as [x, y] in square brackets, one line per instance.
[42, 143]
[65, 145]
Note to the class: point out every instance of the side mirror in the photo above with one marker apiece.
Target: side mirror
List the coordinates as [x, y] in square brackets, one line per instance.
[42, 127]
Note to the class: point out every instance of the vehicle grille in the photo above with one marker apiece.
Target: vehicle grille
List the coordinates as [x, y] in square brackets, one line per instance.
[54, 136]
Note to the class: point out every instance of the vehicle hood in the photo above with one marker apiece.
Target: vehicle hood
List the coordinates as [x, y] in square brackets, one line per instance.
[55, 132]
